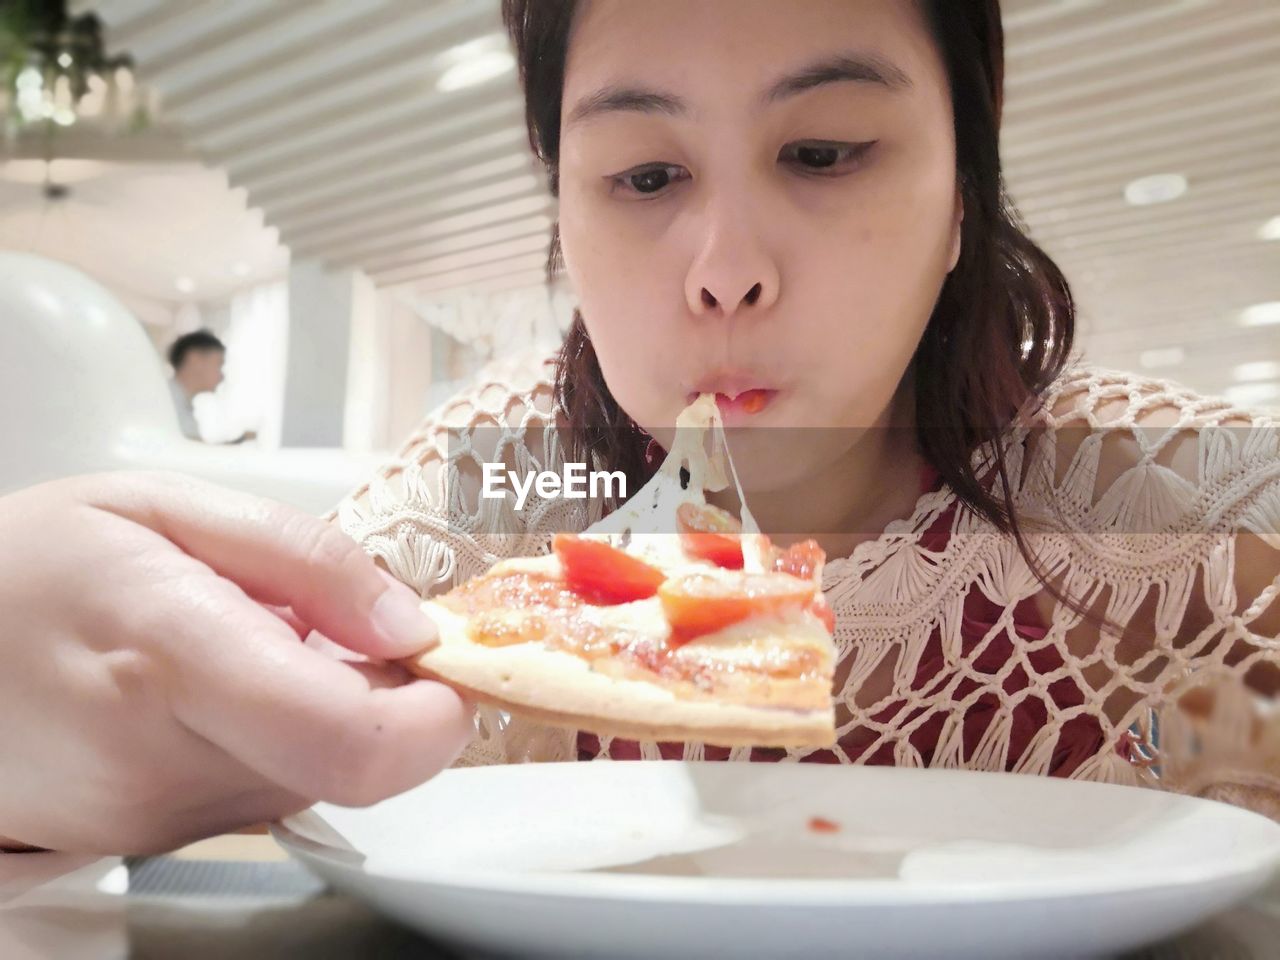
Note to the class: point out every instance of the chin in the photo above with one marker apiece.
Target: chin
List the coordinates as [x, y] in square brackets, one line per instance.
[780, 458]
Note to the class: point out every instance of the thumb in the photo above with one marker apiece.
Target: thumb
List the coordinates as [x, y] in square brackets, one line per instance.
[282, 557]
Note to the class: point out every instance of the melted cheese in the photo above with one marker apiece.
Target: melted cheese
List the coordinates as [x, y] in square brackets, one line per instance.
[645, 525]
[763, 642]
[758, 643]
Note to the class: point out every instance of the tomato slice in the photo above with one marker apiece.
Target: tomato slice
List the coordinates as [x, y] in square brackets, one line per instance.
[803, 560]
[601, 573]
[696, 604]
[711, 534]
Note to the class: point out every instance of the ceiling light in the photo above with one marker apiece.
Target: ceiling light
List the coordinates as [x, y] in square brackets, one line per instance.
[1162, 357]
[1270, 230]
[185, 285]
[1261, 314]
[475, 71]
[1160, 188]
[1257, 370]
[1254, 394]
[474, 62]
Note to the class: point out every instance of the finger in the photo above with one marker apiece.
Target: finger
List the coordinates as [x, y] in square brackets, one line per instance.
[380, 676]
[290, 619]
[282, 557]
[179, 823]
[321, 644]
[315, 726]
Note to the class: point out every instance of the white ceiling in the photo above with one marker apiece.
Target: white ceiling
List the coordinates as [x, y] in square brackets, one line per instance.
[327, 114]
[158, 232]
[1102, 93]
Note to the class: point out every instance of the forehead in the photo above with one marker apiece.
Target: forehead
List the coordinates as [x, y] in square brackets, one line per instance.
[723, 52]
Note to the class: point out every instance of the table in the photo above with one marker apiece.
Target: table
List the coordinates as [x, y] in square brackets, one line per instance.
[238, 897]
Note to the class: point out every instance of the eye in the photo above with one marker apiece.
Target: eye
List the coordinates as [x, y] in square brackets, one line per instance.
[648, 180]
[825, 158]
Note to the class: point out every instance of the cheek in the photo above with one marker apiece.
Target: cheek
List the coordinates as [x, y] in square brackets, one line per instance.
[625, 294]
[872, 281]
[870, 285]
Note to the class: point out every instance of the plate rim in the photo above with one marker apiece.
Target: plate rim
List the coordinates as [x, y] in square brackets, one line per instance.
[1247, 869]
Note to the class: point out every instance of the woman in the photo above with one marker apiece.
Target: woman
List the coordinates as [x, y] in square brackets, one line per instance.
[1034, 566]
[800, 206]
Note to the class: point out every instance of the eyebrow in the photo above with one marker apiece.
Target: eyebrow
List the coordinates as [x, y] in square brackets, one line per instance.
[844, 68]
[626, 100]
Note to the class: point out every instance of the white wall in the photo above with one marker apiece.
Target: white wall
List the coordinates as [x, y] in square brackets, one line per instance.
[315, 386]
[366, 398]
[255, 328]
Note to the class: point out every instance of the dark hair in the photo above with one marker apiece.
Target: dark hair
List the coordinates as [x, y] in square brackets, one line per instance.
[1003, 326]
[193, 342]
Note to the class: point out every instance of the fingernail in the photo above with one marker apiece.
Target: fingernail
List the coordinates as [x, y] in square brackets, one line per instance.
[399, 617]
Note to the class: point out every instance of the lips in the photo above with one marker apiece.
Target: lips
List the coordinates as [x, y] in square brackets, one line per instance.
[732, 383]
[739, 396]
[743, 407]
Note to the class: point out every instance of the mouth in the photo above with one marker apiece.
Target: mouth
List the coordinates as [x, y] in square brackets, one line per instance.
[739, 398]
[745, 406]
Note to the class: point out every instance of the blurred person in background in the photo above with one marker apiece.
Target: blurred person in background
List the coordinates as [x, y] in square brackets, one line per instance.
[197, 360]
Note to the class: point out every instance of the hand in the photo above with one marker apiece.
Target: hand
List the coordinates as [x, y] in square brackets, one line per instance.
[154, 688]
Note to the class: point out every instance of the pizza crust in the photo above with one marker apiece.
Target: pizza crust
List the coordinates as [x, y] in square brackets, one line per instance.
[561, 689]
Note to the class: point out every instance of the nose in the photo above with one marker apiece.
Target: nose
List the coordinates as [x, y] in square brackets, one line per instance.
[711, 302]
[733, 269]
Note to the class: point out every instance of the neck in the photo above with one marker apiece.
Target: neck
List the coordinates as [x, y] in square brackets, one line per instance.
[874, 482]
[187, 386]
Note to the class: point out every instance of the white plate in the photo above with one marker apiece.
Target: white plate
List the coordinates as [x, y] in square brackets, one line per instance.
[667, 860]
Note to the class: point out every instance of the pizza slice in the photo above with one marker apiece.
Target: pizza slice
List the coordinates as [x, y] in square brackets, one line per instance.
[668, 620]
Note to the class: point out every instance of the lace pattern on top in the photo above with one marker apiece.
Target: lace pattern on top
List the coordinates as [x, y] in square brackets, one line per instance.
[1158, 507]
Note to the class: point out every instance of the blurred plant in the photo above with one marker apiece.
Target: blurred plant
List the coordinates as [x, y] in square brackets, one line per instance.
[55, 71]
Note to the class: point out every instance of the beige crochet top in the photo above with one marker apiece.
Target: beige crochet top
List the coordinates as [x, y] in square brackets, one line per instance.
[1161, 509]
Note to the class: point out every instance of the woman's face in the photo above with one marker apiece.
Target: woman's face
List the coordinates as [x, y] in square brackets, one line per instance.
[757, 196]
